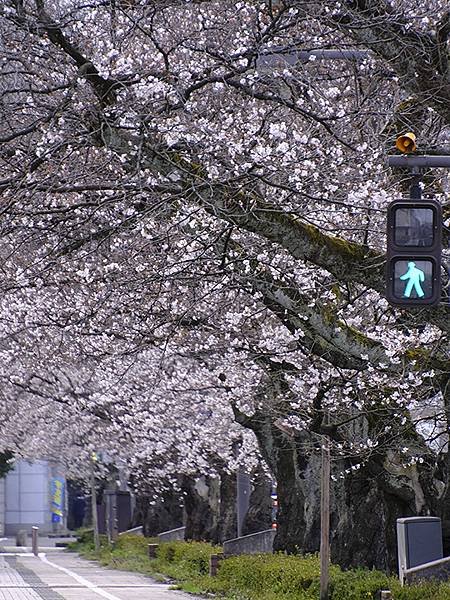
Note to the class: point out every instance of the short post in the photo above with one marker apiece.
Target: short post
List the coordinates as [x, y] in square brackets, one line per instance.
[385, 595]
[94, 503]
[152, 550]
[34, 540]
[214, 561]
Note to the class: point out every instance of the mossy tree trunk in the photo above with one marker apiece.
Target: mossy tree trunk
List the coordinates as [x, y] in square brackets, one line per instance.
[365, 502]
[445, 467]
[211, 506]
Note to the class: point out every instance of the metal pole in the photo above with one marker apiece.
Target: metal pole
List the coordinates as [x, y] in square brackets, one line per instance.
[34, 540]
[277, 56]
[422, 162]
[115, 516]
[94, 507]
[108, 517]
[325, 521]
[242, 499]
[415, 189]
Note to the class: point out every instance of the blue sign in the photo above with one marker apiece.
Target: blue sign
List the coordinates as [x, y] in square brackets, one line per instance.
[57, 491]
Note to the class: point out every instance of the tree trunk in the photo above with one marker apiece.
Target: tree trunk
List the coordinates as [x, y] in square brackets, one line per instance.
[227, 518]
[201, 497]
[211, 507]
[445, 465]
[259, 514]
[158, 515]
[365, 503]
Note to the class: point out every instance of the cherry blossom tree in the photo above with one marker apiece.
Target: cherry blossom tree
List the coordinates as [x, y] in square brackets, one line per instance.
[193, 207]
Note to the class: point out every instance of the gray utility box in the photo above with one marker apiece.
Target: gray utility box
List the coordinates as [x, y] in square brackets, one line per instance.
[419, 541]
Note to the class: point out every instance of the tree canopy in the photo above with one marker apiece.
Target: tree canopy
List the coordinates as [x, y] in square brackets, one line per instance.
[193, 201]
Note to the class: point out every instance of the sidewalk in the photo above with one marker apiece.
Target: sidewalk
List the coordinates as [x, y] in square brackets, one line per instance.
[63, 575]
[46, 544]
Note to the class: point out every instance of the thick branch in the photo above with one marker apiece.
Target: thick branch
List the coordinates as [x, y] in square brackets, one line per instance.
[104, 88]
[420, 59]
[347, 261]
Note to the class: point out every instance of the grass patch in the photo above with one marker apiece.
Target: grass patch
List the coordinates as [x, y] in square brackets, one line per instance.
[129, 553]
[249, 577]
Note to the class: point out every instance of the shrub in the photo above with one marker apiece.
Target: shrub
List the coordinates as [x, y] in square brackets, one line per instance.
[424, 591]
[85, 536]
[280, 575]
[134, 543]
[359, 584]
[252, 577]
[191, 559]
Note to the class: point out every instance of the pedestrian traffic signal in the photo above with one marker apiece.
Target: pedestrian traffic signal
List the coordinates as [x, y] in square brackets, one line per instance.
[414, 247]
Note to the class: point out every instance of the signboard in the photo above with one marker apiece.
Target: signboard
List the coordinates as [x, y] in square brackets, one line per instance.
[57, 494]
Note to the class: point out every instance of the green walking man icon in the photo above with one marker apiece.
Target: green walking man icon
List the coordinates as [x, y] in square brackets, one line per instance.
[414, 277]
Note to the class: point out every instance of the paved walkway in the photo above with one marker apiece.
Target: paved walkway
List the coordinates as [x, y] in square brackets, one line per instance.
[63, 575]
[46, 544]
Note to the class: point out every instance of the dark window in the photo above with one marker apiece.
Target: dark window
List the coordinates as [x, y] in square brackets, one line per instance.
[414, 227]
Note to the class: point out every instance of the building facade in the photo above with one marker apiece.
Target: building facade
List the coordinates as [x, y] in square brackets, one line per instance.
[32, 494]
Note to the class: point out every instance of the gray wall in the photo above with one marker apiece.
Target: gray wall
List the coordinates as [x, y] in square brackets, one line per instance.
[255, 543]
[27, 497]
[173, 535]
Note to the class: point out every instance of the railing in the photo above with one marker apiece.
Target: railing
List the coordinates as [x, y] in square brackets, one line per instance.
[135, 531]
[173, 535]
[436, 569]
[255, 543]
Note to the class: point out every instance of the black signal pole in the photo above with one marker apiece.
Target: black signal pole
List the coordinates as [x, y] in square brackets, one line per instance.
[418, 161]
[416, 164]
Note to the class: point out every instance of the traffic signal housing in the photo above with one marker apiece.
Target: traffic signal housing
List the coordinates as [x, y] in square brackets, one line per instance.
[414, 248]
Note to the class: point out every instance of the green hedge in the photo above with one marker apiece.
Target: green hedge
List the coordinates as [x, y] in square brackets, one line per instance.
[184, 560]
[261, 576]
[358, 584]
[294, 577]
[281, 577]
[255, 577]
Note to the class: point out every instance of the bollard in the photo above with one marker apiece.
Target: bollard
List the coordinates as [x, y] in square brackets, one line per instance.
[22, 538]
[34, 540]
[385, 595]
[152, 548]
[214, 561]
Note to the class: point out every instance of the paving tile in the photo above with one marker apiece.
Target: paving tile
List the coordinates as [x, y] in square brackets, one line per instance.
[12, 585]
[63, 575]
